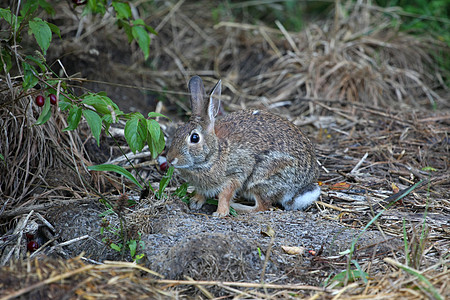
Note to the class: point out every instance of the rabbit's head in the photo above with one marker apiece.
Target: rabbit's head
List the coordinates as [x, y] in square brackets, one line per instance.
[195, 144]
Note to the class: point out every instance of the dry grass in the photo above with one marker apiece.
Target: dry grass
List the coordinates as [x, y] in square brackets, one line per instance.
[359, 56]
[33, 279]
[364, 86]
[33, 153]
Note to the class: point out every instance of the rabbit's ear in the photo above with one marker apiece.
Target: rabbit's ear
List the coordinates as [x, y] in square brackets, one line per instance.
[197, 91]
[213, 105]
[214, 100]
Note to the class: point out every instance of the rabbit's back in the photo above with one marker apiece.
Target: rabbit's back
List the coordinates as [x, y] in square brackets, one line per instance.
[262, 131]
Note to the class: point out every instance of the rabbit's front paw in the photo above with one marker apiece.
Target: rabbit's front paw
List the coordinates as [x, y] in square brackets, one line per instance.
[220, 214]
[197, 202]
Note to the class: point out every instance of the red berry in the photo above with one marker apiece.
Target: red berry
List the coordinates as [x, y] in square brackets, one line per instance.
[164, 166]
[40, 100]
[29, 236]
[52, 99]
[32, 246]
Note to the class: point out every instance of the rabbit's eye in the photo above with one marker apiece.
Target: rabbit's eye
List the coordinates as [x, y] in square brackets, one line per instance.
[195, 138]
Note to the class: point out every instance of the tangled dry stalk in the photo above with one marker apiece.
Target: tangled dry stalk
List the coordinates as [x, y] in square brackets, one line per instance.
[34, 153]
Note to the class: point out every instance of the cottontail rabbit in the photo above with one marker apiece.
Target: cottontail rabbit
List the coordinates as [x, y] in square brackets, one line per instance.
[253, 153]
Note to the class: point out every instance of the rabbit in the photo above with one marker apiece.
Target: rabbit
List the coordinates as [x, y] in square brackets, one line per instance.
[252, 153]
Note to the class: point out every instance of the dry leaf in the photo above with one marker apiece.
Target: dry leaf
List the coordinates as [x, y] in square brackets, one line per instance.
[293, 250]
[268, 231]
[394, 187]
[340, 186]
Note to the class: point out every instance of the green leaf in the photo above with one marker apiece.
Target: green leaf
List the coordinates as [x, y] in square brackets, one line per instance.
[95, 7]
[41, 32]
[143, 39]
[29, 80]
[259, 252]
[74, 118]
[116, 247]
[123, 10]
[47, 7]
[55, 29]
[353, 275]
[107, 212]
[155, 114]
[138, 22]
[37, 61]
[2, 157]
[181, 191]
[156, 146]
[101, 103]
[132, 245]
[154, 129]
[10, 18]
[64, 103]
[108, 119]
[429, 169]
[28, 8]
[95, 123]
[142, 23]
[131, 134]
[117, 169]
[164, 182]
[127, 28]
[135, 134]
[150, 29]
[358, 267]
[161, 143]
[6, 57]
[138, 257]
[134, 115]
[45, 114]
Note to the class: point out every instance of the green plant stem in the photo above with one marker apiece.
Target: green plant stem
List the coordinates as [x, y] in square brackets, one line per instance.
[405, 242]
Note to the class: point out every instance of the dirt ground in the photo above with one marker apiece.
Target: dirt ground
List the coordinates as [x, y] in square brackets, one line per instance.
[181, 243]
[370, 152]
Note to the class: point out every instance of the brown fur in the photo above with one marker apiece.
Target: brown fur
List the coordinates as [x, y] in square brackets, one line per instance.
[254, 153]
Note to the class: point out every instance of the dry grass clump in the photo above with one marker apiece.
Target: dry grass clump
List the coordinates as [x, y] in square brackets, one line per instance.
[73, 279]
[360, 56]
[33, 153]
[400, 284]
